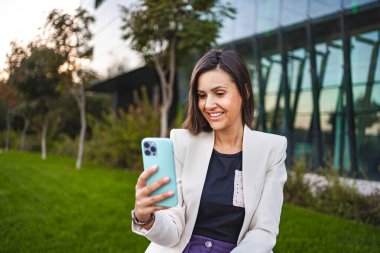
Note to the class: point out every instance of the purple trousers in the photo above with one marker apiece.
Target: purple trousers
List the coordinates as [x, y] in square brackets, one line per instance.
[201, 244]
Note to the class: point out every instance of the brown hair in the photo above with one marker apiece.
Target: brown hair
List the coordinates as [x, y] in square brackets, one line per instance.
[230, 62]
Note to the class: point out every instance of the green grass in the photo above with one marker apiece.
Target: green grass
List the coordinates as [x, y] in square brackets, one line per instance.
[48, 206]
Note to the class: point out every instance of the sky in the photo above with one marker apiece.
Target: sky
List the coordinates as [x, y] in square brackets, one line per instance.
[20, 21]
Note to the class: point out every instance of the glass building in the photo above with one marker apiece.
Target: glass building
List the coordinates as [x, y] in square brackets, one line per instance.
[315, 68]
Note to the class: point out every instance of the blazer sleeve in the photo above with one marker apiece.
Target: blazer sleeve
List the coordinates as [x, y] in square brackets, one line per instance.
[264, 226]
[169, 224]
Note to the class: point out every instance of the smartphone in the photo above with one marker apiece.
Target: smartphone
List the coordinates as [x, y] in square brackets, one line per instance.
[159, 151]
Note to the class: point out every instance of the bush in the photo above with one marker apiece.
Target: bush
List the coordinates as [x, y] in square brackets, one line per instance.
[14, 140]
[64, 145]
[116, 141]
[296, 190]
[334, 197]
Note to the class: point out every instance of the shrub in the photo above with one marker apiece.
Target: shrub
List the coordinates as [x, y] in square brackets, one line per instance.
[297, 191]
[14, 140]
[64, 145]
[334, 197]
[116, 140]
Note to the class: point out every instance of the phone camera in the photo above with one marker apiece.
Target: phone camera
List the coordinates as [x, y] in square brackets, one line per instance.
[150, 148]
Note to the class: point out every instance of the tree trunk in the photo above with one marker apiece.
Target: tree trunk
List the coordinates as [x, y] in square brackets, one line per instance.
[164, 119]
[167, 87]
[23, 134]
[43, 138]
[81, 102]
[8, 131]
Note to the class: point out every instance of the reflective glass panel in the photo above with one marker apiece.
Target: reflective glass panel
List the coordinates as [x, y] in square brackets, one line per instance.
[274, 78]
[294, 67]
[368, 144]
[267, 15]
[270, 102]
[245, 24]
[360, 59]
[291, 15]
[326, 122]
[306, 79]
[305, 102]
[358, 96]
[355, 4]
[334, 68]
[227, 32]
[323, 7]
[328, 100]
[302, 122]
[375, 96]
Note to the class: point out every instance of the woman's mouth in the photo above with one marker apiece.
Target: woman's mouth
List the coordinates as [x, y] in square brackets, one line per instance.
[215, 115]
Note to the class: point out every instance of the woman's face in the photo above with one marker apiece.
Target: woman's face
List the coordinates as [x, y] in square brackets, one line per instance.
[219, 100]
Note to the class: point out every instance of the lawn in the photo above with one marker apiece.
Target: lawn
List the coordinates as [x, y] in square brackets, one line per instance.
[48, 206]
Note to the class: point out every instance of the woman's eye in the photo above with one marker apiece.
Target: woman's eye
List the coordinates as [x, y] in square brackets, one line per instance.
[220, 94]
[201, 96]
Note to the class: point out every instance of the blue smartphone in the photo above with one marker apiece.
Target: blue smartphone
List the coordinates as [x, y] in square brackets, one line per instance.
[159, 151]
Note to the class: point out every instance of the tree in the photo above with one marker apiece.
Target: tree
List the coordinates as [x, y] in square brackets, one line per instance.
[163, 30]
[36, 76]
[70, 36]
[10, 100]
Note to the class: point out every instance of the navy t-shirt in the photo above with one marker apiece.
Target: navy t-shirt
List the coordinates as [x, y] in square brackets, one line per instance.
[221, 211]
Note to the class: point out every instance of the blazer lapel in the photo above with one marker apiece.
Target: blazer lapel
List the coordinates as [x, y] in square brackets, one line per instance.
[252, 179]
[195, 171]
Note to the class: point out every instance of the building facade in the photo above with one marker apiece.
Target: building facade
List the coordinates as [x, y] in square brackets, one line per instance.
[315, 68]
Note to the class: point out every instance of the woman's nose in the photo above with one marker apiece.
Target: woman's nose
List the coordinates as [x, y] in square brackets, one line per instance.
[210, 103]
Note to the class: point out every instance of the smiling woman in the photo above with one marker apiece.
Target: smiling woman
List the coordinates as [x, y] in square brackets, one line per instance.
[225, 74]
[219, 101]
[230, 177]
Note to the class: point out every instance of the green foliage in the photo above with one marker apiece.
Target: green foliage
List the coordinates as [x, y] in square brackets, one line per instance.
[48, 206]
[37, 77]
[296, 190]
[180, 116]
[64, 145]
[70, 34]
[335, 198]
[14, 140]
[153, 26]
[345, 201]
[116, 141]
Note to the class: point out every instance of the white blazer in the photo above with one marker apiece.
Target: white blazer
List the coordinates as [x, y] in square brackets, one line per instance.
[264, 175]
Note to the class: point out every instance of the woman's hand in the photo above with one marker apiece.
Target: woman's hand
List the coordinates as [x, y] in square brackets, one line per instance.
[144, 204]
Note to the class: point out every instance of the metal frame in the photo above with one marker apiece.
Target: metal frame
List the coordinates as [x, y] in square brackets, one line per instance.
[316, 88]
[262, 84]
[286, 91]
[298, 88]
[371, 72]
[347, 86]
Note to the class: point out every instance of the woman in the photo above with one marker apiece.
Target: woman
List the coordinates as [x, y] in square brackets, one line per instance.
[230, 177]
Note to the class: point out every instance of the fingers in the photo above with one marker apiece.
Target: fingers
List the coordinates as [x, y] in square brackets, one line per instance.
[154, 186]
[157, 198]
[145, 204]
[141, 181]
[144, 194]
[150, 202]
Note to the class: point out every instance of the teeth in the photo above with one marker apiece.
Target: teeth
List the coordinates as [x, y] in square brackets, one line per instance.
[216, 114]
